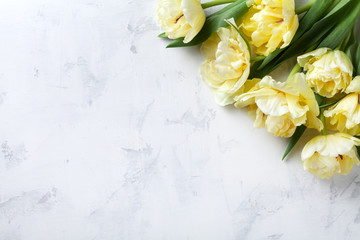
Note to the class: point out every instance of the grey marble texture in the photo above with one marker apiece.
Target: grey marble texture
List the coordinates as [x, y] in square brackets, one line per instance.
[105, 135]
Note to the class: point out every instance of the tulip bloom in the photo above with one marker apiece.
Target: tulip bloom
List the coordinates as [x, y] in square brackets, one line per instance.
[227, 64]
[281, 107]
[181, 18]
[329, 154]
[270, 24]
[344, 116]
[328, 72]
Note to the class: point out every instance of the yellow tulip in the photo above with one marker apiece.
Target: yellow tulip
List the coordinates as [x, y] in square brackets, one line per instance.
[227, 64]
[281, 107]
[328, 72]
[345, 115]
[270, 24]
[181, 18]
[326, 155]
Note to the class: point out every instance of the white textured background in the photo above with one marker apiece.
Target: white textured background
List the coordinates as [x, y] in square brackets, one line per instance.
[105, 134]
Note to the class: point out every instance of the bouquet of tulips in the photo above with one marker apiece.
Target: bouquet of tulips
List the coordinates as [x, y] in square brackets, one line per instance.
[246, 40]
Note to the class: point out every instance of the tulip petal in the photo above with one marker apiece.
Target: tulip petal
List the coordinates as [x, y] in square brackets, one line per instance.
[326, 155]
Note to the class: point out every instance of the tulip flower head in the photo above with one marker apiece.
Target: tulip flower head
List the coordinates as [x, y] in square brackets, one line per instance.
[281, 107]
[344, 116]
[328, 72]
[329, 154]
[227, 64]
[181, 18]
[270, 24]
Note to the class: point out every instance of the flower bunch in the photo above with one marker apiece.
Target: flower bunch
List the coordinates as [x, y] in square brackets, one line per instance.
[246, 40]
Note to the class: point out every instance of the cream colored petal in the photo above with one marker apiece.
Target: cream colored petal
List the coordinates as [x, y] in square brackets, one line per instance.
[256, 92]
[244, 48]
[270, 25]
[355, 117]
[345, 115]
[259, 121]
[296, 110]
[314, 145]
[268, 81]
[323, 167]
[343, 61]
[347, 162]
[303, 59]
[354, 85]
[298, 82]
[313, 122]
[330, 145]
[346, 106]
[208, 48]
[288, 36]
[329, 73]
[209, 75]
[291, 20]
[288, 9]
[280, 126]
[195, 16]
[283, 106]
[274, 105]
[222, 98]
[171, 18]
[228, 67]
[339, 143]
[250, 85]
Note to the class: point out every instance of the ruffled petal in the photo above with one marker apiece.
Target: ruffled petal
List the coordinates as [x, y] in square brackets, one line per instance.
[227, 66]
[303, 59]
[195, 16]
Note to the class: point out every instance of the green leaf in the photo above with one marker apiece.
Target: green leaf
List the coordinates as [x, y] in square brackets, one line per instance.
[319, 99]
[357, 60]
[162, 35]
[351, 41]
[213, 23]
[310, 38]
[315, 13]
[294, 139]
[357, 147]
[330, 104]
[319, 30]
[342, 30]
[270, 57]
[358, 150]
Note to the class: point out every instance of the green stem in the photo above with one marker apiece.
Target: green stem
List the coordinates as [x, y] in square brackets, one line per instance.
[330, 104]
[322, 118]
[304, 8]
[257, 58]
[216, 2]
[295, 70]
